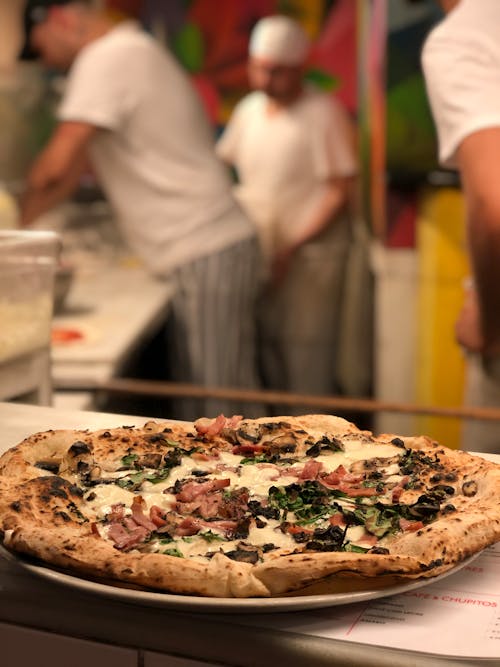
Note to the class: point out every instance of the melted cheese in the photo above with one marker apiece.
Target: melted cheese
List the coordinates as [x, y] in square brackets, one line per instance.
[107, 495]
[118, 474]
[258, 479]
[164, 500]
[356, 450]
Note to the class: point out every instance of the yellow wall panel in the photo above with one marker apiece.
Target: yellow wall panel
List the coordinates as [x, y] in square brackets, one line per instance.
[442, 268]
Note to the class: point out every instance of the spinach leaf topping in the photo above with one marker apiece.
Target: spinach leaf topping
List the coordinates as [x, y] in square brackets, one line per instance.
[128, 460]
[131, 482]
[171, 459]
[261, 458]
[380, 519]
[173, 552]
[309, 501]
[134, 481]
[209, 536]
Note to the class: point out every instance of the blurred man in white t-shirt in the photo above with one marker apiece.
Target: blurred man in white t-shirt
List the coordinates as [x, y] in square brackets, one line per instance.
[292, 147]
[461, 61]
[129, 107]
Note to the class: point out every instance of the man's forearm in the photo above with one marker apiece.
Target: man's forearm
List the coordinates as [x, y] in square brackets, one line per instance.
[57, 170]
[47, 190]
[35, 202]
[478, 164]
[484, 243]
[327, 209]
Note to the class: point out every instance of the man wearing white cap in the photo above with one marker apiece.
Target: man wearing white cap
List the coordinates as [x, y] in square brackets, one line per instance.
[293, 151]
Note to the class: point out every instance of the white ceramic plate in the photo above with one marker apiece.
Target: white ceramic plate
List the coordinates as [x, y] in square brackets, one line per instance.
[341, 591]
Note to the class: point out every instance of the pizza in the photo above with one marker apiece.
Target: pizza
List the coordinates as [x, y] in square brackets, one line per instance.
[233, 507]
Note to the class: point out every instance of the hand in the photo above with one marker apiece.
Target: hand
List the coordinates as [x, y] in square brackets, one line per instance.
[280, 265]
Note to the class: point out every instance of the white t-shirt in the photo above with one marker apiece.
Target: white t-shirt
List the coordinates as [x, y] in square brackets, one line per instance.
[461, 61]
[284, 160]
[155, 152]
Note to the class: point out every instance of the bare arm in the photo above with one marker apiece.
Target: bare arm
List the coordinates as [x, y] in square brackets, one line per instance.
[480, 170]
[331, 203]
[328, 207]
[56, 172]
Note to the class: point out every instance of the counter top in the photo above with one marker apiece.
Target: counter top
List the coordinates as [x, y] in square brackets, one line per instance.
[112, 310]
[240, 640]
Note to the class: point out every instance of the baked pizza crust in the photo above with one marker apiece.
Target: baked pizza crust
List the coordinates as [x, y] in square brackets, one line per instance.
[45, 516]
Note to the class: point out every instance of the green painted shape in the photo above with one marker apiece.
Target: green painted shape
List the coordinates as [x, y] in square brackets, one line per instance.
[188, 46]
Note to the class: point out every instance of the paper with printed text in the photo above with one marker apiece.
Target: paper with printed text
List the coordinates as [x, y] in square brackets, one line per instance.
[456, 616]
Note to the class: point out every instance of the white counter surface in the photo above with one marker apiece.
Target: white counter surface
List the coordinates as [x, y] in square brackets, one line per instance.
[243, 641]
[114, 310]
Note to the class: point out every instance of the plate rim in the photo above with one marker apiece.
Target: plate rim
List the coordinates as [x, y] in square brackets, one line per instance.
[201, 604]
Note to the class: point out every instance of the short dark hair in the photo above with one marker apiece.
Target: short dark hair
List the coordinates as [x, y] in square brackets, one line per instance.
[35, 12]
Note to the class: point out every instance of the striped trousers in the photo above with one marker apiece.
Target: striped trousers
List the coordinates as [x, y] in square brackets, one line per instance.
[212, 328]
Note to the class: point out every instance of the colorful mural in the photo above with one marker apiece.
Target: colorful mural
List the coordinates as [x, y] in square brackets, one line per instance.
[411, 139]
[212, 45]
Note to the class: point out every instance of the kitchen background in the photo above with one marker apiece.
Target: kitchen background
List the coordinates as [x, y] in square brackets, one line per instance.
[409, 261]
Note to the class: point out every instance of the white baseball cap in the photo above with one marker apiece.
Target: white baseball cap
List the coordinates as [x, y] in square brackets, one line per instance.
[279, 39]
